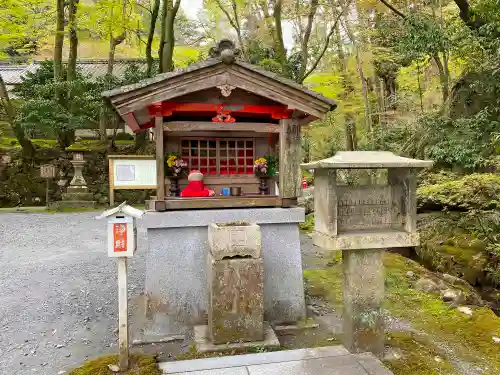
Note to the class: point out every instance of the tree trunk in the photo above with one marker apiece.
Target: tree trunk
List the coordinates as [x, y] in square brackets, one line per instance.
[113, 43]
[380, 102]
[58, 45]
[27, 146]
[149, 43]
[278, 38]
[349, 121]
[351, 133]
[443, 78]
[73, 40]
[103, 122]
[141, 140]
[167, 41]
[304, 53]
[364, 87]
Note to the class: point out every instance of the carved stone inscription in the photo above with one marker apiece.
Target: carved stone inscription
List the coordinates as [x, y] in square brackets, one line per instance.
[364, 208]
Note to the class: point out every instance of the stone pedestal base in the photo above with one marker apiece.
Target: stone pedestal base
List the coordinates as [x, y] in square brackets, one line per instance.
[205, 345]
[75, 197]
[176, 272]
[363, 293]
[236, 301]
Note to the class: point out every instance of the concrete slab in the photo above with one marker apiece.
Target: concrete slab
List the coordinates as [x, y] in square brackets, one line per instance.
[228, 371]
[205, 345]
[345, 365]
[253, 359]
[335, 360]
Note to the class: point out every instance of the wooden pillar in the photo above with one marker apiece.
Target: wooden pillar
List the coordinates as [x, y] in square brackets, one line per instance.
[290, 158]
[160, 159]
[122, 313]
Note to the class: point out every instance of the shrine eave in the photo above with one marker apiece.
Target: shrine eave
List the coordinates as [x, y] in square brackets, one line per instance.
[166, 87]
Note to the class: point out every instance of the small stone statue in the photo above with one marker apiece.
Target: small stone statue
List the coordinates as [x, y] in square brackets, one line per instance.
[225, 50]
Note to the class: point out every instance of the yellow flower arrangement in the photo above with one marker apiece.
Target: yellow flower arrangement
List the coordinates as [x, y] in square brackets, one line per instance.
[260, 161]
[171, 160]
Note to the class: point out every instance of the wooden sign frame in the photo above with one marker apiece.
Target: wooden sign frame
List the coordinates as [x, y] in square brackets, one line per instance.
[111, 168]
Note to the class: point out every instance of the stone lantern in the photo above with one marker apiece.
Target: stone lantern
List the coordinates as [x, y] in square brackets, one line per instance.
[77, 194]
[362, 220]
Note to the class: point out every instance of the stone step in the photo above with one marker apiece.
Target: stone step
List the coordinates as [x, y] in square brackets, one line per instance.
[334, 360]
[77, 196]
[73, 204]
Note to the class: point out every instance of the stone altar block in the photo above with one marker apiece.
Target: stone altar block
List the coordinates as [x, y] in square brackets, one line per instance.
[361, 220]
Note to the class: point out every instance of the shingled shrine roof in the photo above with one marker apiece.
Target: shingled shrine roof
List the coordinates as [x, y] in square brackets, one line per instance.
[222, 68]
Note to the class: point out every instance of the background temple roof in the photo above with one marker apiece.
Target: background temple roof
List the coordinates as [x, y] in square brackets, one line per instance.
[12, 74]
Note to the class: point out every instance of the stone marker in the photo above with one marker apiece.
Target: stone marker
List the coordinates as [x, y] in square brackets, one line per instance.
[236, 304]
[362, 220]
[236, 285]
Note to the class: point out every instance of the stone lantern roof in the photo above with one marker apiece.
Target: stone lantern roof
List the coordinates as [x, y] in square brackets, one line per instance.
[367, 160]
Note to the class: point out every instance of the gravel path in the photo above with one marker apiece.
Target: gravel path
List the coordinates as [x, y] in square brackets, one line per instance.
[58, 293]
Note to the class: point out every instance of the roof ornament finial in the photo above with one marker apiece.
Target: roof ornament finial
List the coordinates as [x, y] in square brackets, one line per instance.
[225, 50]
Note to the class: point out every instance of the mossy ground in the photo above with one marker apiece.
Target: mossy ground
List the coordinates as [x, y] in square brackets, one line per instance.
[412, 350]
[470, 338]
[139, 365]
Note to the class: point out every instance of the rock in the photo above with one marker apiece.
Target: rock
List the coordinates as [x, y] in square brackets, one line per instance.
[114, 368]
[68, 355]
[393, 354]
[59, 346]
[61, 372]
[453, 280]
[426, 285]
[451, 295]
[411, 275]
[466, 310]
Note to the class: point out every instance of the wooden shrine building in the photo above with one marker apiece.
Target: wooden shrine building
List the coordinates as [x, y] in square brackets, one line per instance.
[220, 115]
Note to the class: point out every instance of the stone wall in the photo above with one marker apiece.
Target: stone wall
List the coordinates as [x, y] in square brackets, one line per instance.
[20, 182]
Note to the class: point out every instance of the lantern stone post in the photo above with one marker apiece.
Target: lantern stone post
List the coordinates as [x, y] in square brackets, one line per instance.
[362, 220]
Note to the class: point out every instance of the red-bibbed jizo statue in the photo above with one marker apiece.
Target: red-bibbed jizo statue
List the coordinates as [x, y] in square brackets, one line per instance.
[196, 187]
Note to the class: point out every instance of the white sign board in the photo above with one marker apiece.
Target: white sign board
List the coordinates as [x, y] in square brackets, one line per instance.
[134, 174]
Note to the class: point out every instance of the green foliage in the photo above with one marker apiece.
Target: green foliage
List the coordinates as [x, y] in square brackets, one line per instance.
[422, 35]
[308, 225]
[474, 191]
[464, 142]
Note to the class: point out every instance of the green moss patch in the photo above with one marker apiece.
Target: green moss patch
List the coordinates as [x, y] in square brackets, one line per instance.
[95, 145]
[411, 351]
[308, 225]
[474, 191]
[12, 143]
[139, 365]
[192, 353]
